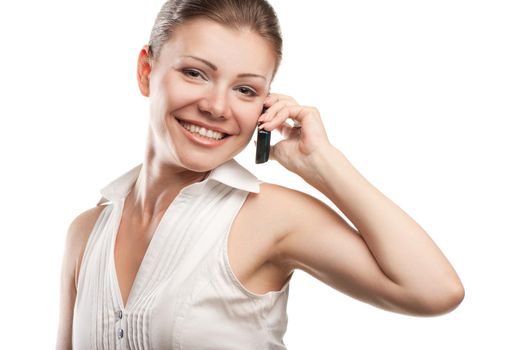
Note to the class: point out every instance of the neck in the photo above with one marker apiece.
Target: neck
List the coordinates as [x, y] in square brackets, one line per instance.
[157, 185]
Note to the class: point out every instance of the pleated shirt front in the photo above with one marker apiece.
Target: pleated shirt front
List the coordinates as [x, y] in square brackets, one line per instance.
[185, 294]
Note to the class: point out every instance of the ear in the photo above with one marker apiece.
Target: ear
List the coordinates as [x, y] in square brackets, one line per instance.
[144, 71]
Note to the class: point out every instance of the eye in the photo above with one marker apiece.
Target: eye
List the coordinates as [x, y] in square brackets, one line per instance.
[189, 72]
[250, 92]
[194, 74]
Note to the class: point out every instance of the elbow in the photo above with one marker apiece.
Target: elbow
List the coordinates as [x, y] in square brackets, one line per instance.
[431, 301]
[446, 303]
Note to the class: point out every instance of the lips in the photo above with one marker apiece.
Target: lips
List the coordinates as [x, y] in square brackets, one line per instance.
[208, 127]
[202, 140]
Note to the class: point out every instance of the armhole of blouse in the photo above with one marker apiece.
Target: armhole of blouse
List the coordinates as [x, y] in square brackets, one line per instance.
[224, 258]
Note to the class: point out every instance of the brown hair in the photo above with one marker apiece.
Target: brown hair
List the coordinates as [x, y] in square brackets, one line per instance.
[256, 15]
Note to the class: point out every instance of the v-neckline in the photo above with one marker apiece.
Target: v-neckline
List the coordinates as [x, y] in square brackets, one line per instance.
[150, 246]
[139, 272]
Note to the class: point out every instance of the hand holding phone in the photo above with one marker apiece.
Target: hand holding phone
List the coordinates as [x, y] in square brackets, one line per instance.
[263, 143]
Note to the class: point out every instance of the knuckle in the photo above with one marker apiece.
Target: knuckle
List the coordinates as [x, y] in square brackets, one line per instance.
[312, 109]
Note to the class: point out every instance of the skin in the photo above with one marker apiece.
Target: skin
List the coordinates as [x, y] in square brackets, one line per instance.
[278, 229]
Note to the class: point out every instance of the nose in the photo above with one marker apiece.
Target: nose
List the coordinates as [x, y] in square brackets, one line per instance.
[215, 103]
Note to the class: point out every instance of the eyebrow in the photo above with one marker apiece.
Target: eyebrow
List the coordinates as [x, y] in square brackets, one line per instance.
[214, 68]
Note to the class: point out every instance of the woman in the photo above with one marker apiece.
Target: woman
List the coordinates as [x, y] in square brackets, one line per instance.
[189, 250]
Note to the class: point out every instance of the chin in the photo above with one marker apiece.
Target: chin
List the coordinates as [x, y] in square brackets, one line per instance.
[201, 163]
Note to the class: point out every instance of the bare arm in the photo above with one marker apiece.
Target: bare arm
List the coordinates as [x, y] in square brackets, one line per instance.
[389, 261]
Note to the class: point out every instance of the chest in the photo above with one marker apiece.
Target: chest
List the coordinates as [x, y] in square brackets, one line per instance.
[250, 244]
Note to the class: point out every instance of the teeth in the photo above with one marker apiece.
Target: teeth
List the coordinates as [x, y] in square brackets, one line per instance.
[202, 131]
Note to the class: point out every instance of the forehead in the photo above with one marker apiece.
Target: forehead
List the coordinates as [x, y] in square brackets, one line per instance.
[229, 49]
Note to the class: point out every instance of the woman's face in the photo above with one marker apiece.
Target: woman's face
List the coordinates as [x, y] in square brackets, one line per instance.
[211, 76]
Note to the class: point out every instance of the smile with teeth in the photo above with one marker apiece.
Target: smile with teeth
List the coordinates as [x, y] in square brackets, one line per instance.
[195, 129]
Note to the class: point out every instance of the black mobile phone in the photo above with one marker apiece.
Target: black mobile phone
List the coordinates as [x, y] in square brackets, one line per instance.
[263, 143]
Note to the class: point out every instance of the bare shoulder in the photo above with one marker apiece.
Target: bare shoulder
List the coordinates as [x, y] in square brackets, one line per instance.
[272, 205]
[302, 217]
[290, 205]
[280, 210]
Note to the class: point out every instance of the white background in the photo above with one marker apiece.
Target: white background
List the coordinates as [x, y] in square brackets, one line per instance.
[424, 99]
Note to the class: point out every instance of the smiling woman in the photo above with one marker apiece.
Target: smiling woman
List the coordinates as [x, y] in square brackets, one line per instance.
[207, 83]
[190, 250]
[207, 71]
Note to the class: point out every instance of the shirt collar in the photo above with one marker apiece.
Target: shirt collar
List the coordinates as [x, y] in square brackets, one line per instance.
[230, 173]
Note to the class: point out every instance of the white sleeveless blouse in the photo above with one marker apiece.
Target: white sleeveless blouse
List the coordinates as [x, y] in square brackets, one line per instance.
[185, 295]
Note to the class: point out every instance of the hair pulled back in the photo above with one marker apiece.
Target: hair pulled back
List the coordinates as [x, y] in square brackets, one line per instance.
[256, 15]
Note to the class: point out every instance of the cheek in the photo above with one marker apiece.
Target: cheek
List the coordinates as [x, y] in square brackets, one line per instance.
[247, 125]
[175, 96]
[248, 117]
[173, 93]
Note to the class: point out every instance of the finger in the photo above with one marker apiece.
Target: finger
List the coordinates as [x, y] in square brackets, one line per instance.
[273, 98]
[284, 97]
[271, 113]
[280, 117]
[295, 112]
